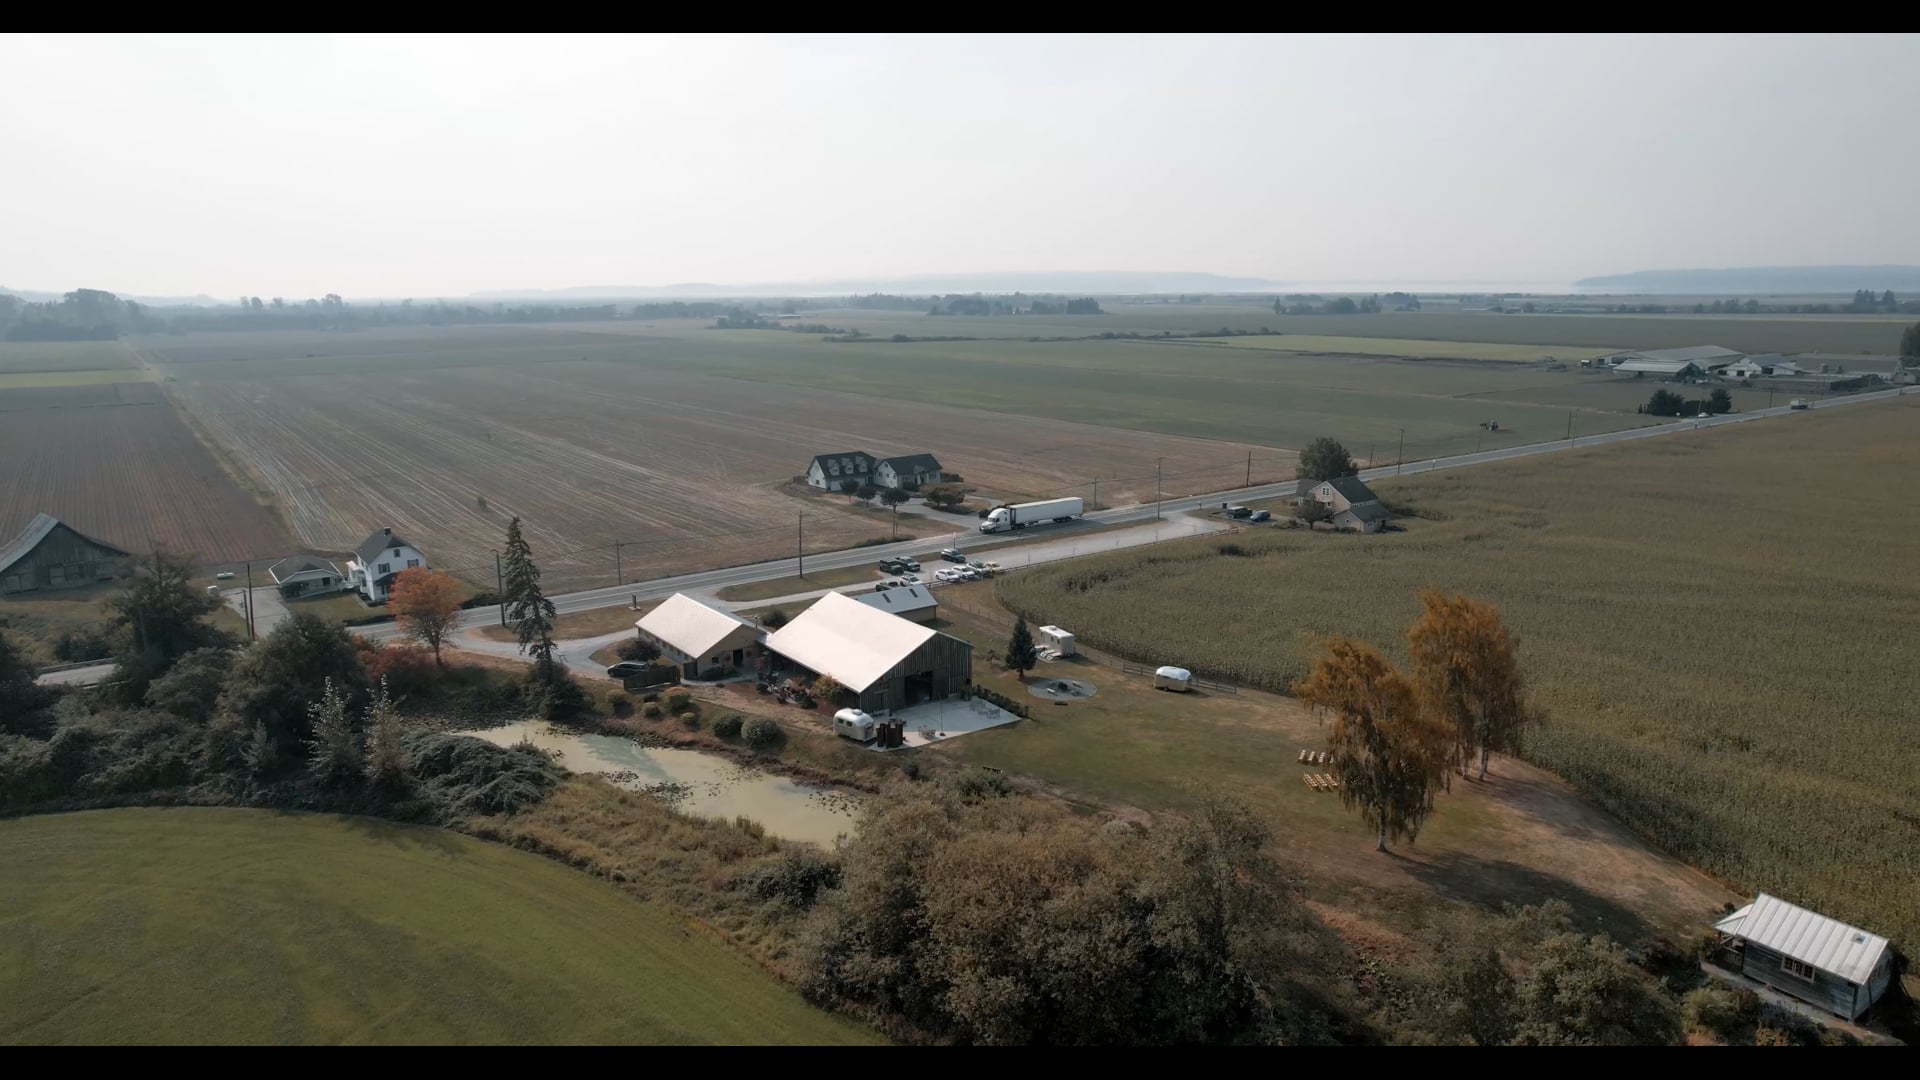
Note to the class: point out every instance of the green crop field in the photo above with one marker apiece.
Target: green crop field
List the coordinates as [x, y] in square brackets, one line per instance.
[1412, 348]
[25, 357]
[203, 926]
[1721, 627]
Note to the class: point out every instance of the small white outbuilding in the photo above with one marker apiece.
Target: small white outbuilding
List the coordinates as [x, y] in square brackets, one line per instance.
[1060, 641]
[1173, 678]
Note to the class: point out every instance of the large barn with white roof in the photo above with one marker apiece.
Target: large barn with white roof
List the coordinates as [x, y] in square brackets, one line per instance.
[888, 662]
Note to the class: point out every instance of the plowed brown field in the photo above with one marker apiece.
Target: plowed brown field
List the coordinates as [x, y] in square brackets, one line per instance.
[683, 469]
[117, 463]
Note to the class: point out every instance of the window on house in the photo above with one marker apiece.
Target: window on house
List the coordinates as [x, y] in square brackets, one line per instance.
[1797, 969]
[411, 563]
[382, 569]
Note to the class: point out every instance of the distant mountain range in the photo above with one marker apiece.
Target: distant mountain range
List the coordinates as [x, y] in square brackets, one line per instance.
[1104, 282]
[1762, 279]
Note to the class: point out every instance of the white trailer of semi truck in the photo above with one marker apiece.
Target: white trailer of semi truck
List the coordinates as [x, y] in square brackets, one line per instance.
[1021, 515]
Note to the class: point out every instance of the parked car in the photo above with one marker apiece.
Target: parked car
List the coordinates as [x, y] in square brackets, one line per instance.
[946, 574]
[993, 568]
[1235, 511]
[224, 575]
[891, 566]
[910, 564]
[953, 555]
[968, 573]
[625, 668]
[1261, 515]
[909, 579]
[884, 586]
[1797, 403]
[978, 565]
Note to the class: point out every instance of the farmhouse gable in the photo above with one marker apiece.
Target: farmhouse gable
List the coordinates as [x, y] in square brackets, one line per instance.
[828, 471]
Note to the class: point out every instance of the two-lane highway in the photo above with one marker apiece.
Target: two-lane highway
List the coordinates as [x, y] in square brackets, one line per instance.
[708, 581]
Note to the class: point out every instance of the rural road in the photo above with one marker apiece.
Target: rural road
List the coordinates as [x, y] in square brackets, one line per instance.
[1064, 541]
[708, 582]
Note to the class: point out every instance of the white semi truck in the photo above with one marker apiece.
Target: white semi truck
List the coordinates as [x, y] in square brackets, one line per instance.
[1021, 515]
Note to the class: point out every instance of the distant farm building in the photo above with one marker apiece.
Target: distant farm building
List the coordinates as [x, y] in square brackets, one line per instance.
[304, 575]
[1354, 506]
[698, 637]
[1761, 367]
[377, 561]
[914, 603]
[886, 661]
[909, 471]
[828, 471]
[51, 555]
[1840, 968]
[1686, 363]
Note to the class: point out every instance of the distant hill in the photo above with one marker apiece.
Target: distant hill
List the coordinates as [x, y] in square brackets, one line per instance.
[1763, 279]
[1057, 281]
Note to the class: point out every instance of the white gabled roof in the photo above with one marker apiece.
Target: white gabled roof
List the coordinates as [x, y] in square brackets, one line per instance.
[911, 598]
[844, 638]
[1700, 353]
[689, 625]
[1655, 367]
[1827, 944]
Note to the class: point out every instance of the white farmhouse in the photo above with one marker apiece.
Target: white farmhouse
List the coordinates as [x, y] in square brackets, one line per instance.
[377, 561]
[828, 471]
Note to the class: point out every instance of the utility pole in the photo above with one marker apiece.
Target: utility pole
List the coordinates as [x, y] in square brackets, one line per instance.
[1400, 459]
[800, 543]
[1478, 439]
[1096, 494]
[1569, 426]
[249, 601]
[619, 576]
[1249, 468]
[500, 588]
[1156, 488]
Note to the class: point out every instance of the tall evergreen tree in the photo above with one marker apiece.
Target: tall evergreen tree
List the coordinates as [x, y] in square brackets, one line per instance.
[1910, 343]
[1021, 654]
[528, 610]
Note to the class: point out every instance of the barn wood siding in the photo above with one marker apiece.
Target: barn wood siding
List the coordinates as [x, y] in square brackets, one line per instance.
[82, 562]
[949, 658]
[1828, 991]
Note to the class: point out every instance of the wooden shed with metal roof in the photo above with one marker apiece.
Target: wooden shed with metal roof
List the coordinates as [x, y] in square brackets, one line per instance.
[1842, 969]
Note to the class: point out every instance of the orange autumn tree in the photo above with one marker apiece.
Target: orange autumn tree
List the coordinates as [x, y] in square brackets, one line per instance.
[1467, 675]
[1389, 754]
[427, 604]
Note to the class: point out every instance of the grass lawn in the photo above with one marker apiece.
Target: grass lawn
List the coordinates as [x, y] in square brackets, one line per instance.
[335, 607]
[1723, 651]
[581, 624]
[22, 379]
[243, 926]
[787, 586]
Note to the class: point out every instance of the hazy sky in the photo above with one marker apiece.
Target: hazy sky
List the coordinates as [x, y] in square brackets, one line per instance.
[431, 166]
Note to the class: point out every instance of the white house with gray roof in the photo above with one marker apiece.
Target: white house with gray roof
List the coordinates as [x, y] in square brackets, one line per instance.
[378, 560]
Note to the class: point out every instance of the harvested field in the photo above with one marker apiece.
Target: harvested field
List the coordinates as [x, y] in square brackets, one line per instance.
[117, 463]
[29, 357]
[1726, 661]
[686, 471]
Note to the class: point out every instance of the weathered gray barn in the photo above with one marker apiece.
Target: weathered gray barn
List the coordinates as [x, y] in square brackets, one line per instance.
[51, 555]
[888, 662]
[1840, 968]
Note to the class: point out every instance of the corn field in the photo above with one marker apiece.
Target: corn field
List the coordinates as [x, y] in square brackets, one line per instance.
[1724, 630]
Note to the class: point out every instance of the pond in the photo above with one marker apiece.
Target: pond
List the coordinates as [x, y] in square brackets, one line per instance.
[693, 782]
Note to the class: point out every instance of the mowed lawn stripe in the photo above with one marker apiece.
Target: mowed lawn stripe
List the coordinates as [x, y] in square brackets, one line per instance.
[205, 925]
